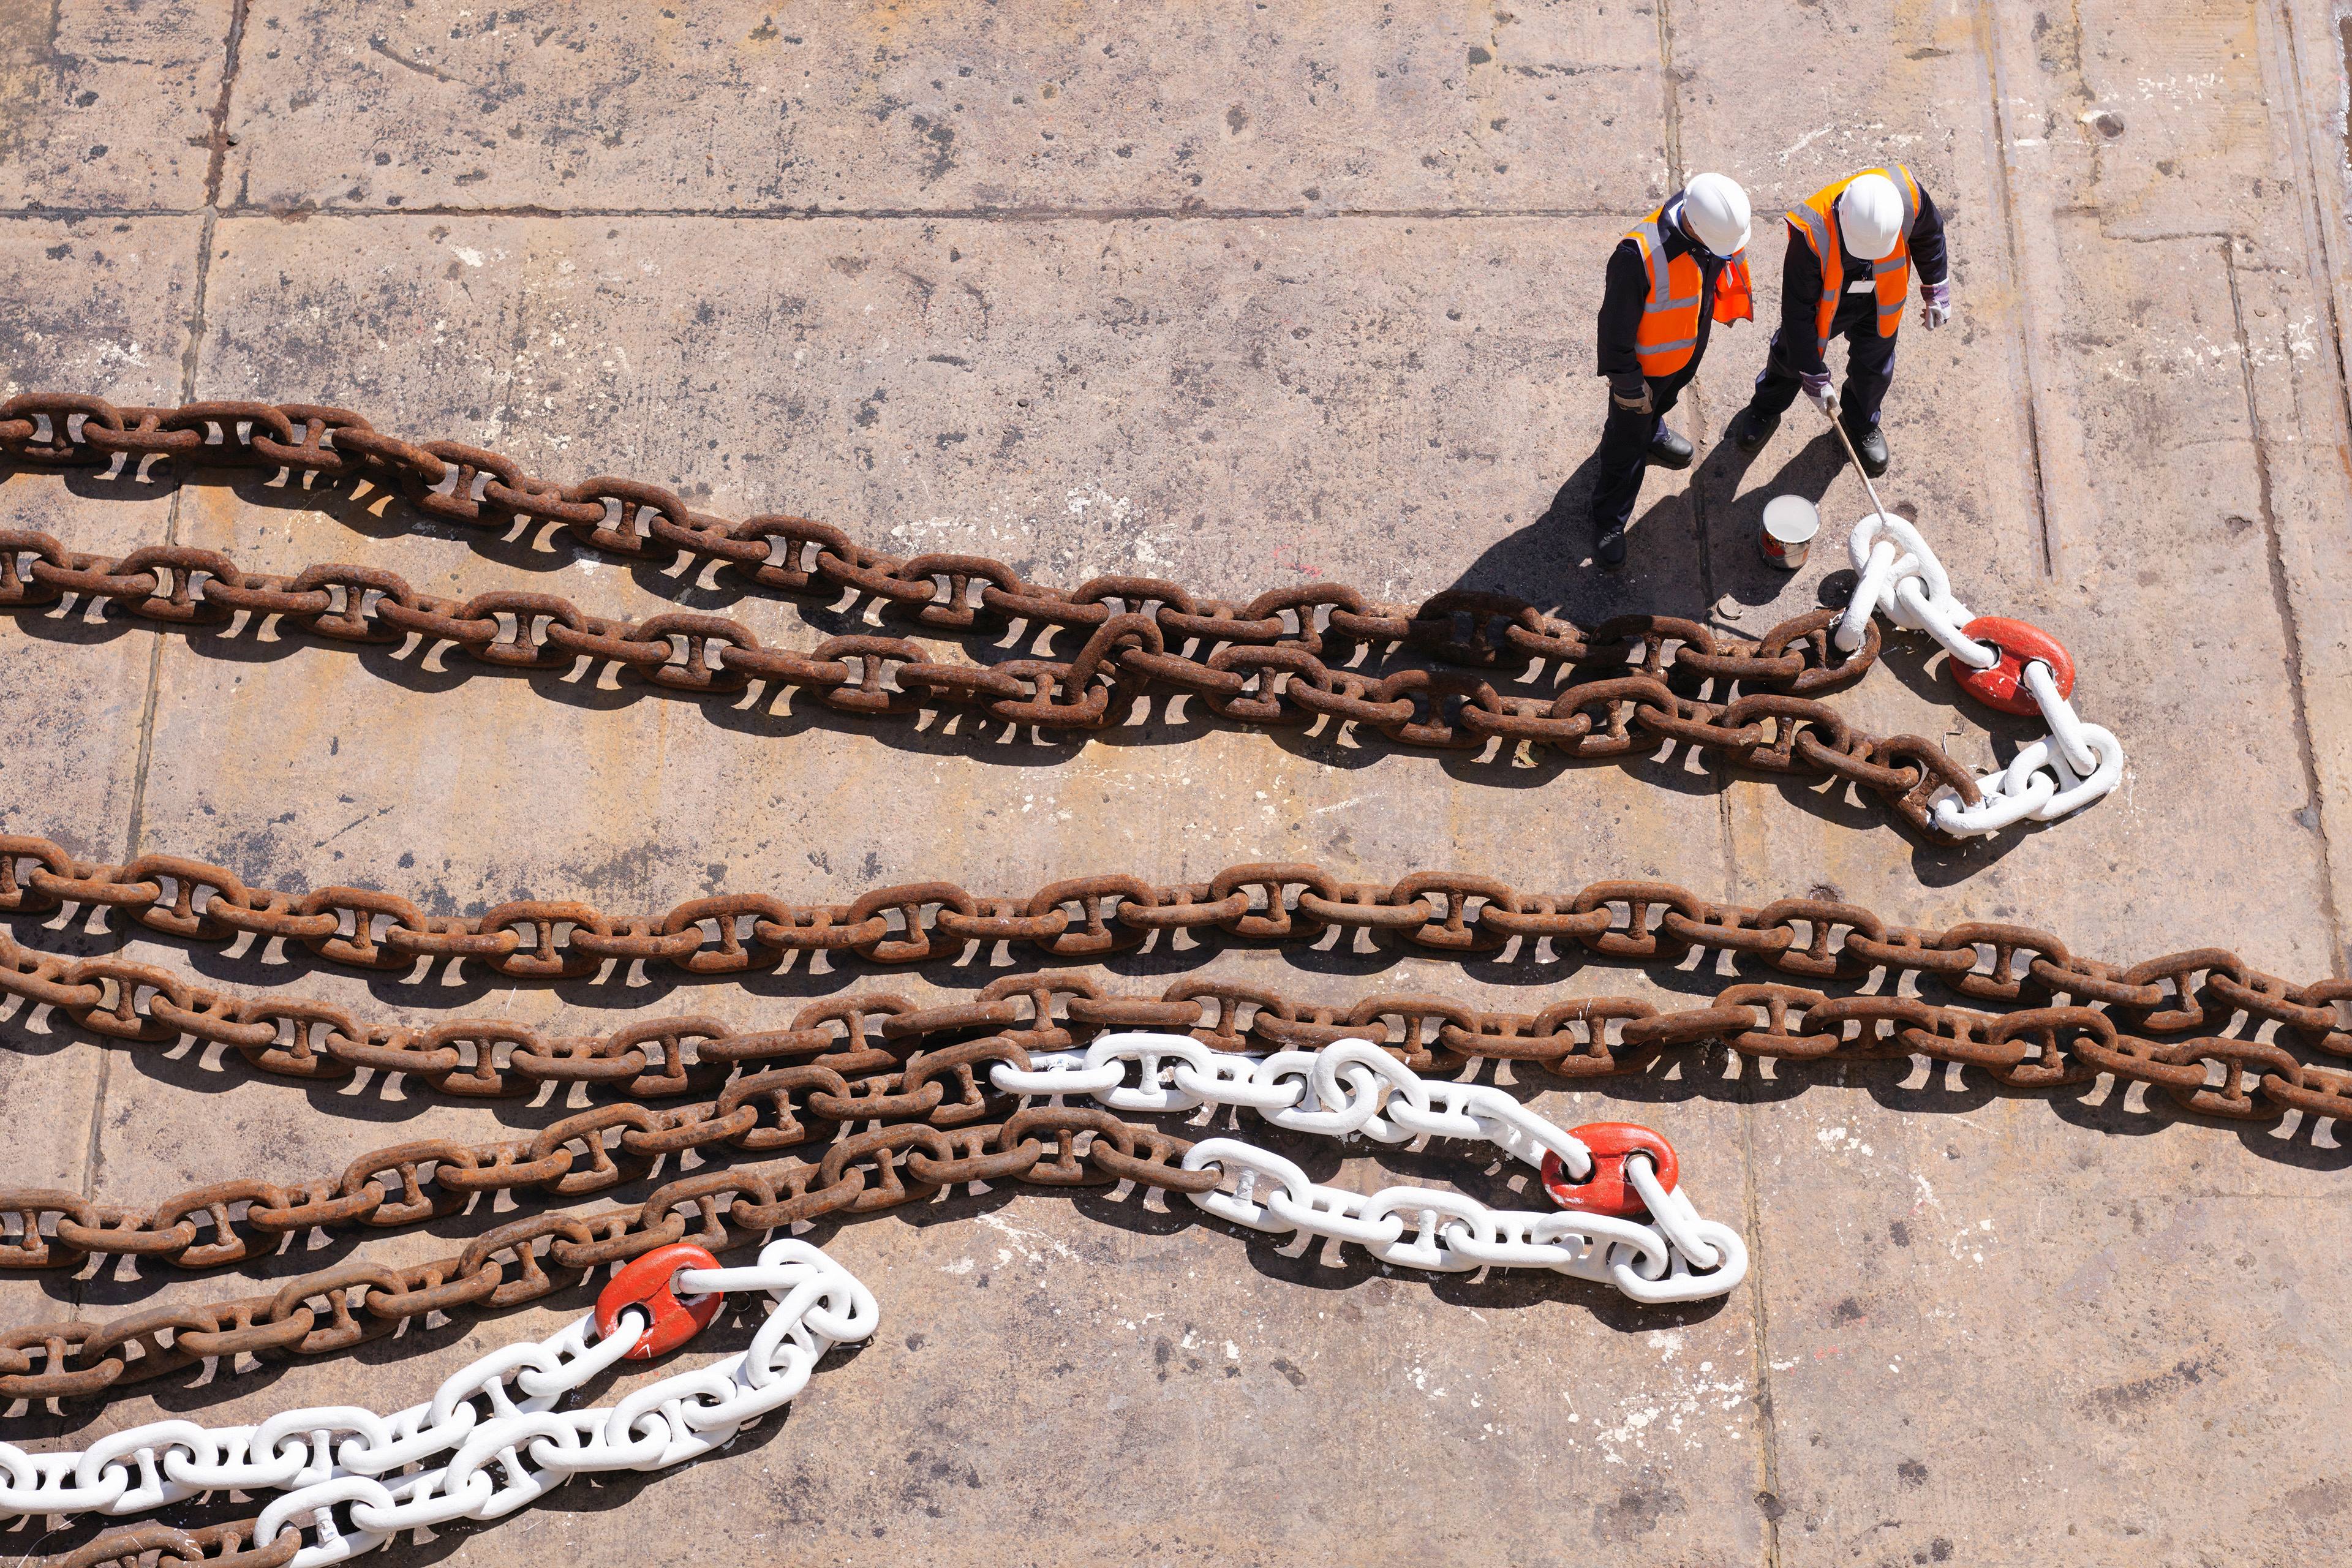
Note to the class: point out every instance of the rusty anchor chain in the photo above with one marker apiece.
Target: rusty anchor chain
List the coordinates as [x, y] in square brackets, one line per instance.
[1079, 919]
[909, 1076]
[1605, 693]
[931, 1067]
[882, 1167]
[2041, 1018]
[1623, 1219]
[167, 1546]
[927, 1119]
[337, 1308]
[896, 1094]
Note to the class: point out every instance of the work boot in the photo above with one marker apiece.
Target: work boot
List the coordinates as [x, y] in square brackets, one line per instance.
[1668, 451]
[1609, 547]
[1749, 430]
[1871, 447]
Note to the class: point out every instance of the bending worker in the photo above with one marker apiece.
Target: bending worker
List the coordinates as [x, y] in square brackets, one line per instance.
[1852, 246]
[1689, 252]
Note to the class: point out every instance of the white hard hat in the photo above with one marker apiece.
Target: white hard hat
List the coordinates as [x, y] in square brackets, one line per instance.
[1715, 208]
[1870, 216]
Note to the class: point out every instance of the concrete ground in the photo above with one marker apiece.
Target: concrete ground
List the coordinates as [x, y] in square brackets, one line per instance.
[1247, 295]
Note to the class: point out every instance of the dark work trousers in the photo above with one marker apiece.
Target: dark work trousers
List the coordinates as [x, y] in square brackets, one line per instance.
[1869, 368]
[1625, 451]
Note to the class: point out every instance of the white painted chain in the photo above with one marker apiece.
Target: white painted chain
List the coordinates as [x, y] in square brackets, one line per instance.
[1353, 1087]
[1898, 575]
[490, 1439]
[2066, 726]
[2039, 782]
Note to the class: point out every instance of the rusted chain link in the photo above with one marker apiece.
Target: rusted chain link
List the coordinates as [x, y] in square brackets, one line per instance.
[1079, 919]
[163, 1546]
[946, 1087]
[1623, 715]
[229, 1222]
[863, 1172]
[450, 482]
[1260, 663]
[2064, 1020]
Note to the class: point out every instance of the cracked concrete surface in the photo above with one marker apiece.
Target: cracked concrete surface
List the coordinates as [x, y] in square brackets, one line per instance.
[1245, 295]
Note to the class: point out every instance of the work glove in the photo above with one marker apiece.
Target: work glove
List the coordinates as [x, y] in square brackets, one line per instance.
[1935, 304]
[1631, 393]
[1817, 387]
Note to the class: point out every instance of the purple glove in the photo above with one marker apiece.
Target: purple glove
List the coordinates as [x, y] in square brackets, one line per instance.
[1935, 304]
[1817, 387]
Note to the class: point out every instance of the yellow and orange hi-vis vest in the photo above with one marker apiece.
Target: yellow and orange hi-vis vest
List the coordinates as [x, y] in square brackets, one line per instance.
[1817, 221]
[1669, 328]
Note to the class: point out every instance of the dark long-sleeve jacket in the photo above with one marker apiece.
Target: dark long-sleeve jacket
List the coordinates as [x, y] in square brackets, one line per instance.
[1801, 283]
[1628, 286]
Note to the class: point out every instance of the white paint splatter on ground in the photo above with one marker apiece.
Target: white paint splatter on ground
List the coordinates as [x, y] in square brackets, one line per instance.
[1032, 1245]
[1839, 1140]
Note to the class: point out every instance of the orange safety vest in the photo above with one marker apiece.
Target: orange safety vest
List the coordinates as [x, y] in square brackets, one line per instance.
[1669, 328]
[1817, 222]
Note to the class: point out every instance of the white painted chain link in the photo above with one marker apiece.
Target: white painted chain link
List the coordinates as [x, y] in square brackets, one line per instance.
[1898, 575]
[1353, 1087]
[490, 1440]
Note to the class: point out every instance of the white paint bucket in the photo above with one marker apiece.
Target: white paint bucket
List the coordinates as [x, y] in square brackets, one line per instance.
[1789, 524]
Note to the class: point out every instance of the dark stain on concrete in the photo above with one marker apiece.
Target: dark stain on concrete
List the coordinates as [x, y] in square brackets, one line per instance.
[940, 160]
[2131, 1398]
[1636, 1510]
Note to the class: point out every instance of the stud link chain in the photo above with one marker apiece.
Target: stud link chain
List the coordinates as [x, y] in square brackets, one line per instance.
[1607, 693]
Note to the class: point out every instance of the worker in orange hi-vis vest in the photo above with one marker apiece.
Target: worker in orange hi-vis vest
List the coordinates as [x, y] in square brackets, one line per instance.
[1681, 269]
[1851, 249]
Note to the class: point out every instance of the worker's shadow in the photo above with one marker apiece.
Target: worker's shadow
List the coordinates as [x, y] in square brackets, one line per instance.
[1550, 561]
[1734, 516]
